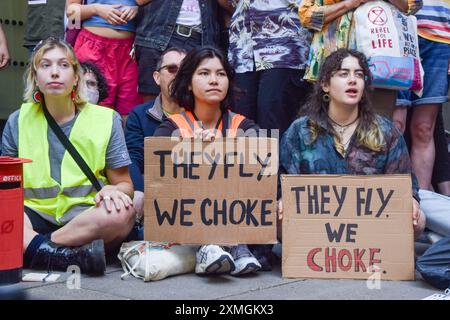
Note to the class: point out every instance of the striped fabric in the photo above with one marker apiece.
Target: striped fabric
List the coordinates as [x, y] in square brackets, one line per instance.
[433, 20]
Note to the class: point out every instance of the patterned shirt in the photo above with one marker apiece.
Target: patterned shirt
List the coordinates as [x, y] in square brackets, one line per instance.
[433, 20]
[299, 156]
[339, 33]
[267, 34]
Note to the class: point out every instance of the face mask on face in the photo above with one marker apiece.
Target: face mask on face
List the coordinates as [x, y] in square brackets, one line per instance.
[92, 95]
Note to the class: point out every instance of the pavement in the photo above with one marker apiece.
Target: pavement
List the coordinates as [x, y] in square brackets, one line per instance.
[268, 285]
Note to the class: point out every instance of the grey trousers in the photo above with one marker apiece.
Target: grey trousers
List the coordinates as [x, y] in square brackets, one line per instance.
[437, 211]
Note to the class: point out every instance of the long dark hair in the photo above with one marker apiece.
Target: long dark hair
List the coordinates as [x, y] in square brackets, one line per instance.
[368, 131]
[179, 88]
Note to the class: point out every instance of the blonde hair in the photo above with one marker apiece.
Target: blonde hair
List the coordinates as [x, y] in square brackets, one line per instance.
[30, 74]
[371, 137]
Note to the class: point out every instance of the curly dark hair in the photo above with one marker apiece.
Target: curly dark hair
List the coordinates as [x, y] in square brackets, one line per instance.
[317, 109]
[102, 85]
[179, 88]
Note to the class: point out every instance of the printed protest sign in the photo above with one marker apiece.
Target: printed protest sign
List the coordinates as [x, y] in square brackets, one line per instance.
[220, 192]
[347, 227]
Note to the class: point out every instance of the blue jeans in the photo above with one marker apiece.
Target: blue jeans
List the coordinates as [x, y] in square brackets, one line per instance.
[435, 57]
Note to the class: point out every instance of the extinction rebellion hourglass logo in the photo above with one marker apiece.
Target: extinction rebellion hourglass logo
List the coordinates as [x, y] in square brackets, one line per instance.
[377, 16]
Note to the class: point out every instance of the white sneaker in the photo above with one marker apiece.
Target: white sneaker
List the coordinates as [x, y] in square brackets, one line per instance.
[212, 259]
[244, 260]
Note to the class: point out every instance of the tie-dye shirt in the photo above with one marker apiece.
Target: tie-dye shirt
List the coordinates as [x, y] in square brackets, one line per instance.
[299, 156]
[339, 33]
[267, 34]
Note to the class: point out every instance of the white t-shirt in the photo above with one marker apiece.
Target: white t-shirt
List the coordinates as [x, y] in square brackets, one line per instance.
[190, 13]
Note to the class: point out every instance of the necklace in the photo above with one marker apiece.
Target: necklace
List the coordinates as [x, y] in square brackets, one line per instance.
[341, 128]
[345, 144]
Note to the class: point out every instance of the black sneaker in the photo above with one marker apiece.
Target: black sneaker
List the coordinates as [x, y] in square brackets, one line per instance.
[90, 258]
[263, 252]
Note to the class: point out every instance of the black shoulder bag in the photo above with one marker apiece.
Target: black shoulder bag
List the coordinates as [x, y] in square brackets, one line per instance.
[69, 146]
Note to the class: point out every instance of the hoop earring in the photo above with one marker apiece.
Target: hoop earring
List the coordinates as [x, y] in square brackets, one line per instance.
[74, 93]
[37, 96]
[326, 97]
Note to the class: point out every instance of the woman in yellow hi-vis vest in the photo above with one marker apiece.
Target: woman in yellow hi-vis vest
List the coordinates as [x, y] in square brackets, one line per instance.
[67, 222]
[202, 86]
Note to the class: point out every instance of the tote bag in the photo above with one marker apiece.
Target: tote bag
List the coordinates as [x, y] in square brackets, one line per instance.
[389, 40]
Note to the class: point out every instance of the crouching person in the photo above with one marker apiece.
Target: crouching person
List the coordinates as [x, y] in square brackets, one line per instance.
[67, 222]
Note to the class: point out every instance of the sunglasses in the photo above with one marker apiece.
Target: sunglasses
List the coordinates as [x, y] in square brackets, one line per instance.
[171, 68]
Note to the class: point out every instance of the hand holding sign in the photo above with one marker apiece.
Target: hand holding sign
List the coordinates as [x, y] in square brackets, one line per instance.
[418, 219]
[280, 209]
[221, 192]
[338, 226]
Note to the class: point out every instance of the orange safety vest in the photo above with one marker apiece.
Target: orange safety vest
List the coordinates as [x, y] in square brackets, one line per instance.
[186, 122]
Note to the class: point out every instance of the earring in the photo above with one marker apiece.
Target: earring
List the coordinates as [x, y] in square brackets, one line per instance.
[74, 93]
[37, 96]
[326, 97]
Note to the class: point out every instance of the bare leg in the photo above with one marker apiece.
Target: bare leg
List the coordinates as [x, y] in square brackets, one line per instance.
[422, 148]
[96, 223]
[92, 224]
[28, 232]
[399, 118]
[444, 188]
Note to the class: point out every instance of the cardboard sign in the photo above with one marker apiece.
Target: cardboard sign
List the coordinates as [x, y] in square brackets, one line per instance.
[354, 227]
[221, 192]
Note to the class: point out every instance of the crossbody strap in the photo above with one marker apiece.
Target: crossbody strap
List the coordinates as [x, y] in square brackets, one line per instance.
[69, 146]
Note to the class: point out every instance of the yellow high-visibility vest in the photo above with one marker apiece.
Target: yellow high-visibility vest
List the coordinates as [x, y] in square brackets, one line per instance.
[90, 135]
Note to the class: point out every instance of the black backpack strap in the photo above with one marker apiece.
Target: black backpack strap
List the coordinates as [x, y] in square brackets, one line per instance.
[69, 146]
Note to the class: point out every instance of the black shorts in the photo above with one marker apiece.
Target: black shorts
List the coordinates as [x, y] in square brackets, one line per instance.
[147, 59]
[40, 225]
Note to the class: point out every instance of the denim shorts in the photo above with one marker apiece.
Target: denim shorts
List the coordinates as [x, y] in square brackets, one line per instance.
[435, 56]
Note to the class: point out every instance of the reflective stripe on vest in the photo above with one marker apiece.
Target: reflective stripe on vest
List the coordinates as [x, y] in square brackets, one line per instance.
[90, 135]
[186, 124]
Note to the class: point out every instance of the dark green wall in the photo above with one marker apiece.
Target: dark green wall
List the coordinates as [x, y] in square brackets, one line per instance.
[12, 18]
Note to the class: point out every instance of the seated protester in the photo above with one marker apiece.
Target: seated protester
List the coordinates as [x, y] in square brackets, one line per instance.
[202, 87]
[95, 85]
[67, 222]
[143, 120]
[341, 134]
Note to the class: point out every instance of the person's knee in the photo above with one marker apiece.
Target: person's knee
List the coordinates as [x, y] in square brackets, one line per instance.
[422, 132]
[400, 125]
[116, 219]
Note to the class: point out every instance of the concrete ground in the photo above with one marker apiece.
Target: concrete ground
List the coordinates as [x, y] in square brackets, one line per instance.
[262, 286]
